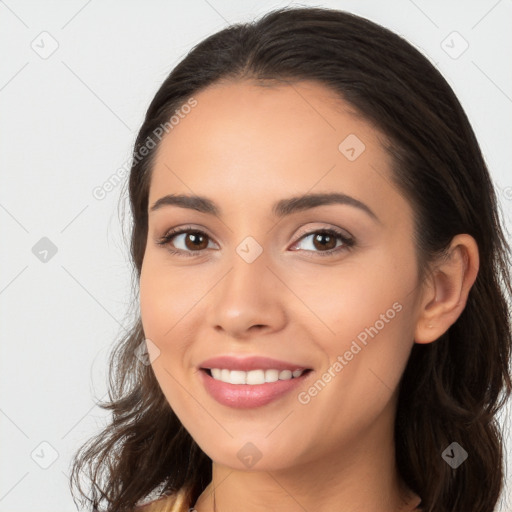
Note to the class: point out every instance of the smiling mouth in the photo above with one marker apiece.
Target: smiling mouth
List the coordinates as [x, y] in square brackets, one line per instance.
[253, 377]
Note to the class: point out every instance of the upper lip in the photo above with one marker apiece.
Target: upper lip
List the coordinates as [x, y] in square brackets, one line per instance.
[249, 363]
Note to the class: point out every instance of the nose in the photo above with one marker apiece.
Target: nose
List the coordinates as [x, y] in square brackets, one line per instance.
[249, 299]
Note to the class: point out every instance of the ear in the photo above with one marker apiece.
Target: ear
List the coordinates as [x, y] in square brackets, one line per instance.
[446, 292]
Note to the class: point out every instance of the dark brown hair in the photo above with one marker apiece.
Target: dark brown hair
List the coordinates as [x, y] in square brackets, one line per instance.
[452, 389]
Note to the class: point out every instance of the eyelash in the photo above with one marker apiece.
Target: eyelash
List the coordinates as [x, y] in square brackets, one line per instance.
[348, 243]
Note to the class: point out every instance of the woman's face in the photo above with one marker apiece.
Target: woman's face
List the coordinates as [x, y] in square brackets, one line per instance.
[268, 281]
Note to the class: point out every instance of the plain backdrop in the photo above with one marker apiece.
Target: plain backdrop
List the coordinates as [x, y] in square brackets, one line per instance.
[76, 77]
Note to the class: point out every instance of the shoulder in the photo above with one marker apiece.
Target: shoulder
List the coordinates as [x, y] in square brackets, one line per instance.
[176, 502]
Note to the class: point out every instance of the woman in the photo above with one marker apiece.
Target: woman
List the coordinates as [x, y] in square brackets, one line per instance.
[323, 284]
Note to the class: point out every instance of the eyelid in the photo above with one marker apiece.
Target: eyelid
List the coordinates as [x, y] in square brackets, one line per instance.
[309, 231]
[184, 229]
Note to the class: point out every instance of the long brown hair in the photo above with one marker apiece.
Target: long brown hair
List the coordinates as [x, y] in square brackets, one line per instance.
[452, 389]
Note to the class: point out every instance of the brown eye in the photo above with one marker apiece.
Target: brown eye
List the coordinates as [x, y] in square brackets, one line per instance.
[196, 240]
[324, 242]
[185, 241]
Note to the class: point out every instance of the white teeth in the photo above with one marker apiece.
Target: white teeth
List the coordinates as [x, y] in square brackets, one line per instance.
[216, 373]
[285, 375]
[271, 375]
[237, 377]
[253, 377]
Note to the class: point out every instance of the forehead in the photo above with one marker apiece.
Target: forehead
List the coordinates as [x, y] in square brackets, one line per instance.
[245, 142]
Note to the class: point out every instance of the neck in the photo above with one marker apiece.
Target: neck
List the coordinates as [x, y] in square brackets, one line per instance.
[356, 476]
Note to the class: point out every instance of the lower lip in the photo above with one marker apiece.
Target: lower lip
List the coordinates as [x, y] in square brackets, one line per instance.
[245, 396]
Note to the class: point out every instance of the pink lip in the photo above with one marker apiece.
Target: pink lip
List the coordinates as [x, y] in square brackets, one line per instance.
[245, 396]
[249, 363]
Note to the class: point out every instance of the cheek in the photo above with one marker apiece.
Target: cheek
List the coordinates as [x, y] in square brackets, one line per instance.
[367, 308]
[160, 314]
[167, 295]
[168, 301]
[353, 296]
[150, 299]
[365, 363]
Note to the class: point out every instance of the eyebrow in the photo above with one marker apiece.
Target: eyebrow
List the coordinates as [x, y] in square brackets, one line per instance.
[281, 208]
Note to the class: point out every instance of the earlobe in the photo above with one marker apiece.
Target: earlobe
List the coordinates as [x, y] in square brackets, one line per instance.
[447, 291]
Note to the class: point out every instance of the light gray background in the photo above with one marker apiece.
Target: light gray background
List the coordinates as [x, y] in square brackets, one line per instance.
[68, 121]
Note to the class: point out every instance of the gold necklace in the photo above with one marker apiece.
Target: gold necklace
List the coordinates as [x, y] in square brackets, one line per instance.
[407, 503]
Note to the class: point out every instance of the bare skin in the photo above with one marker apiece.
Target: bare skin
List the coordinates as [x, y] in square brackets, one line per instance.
[246, 147]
